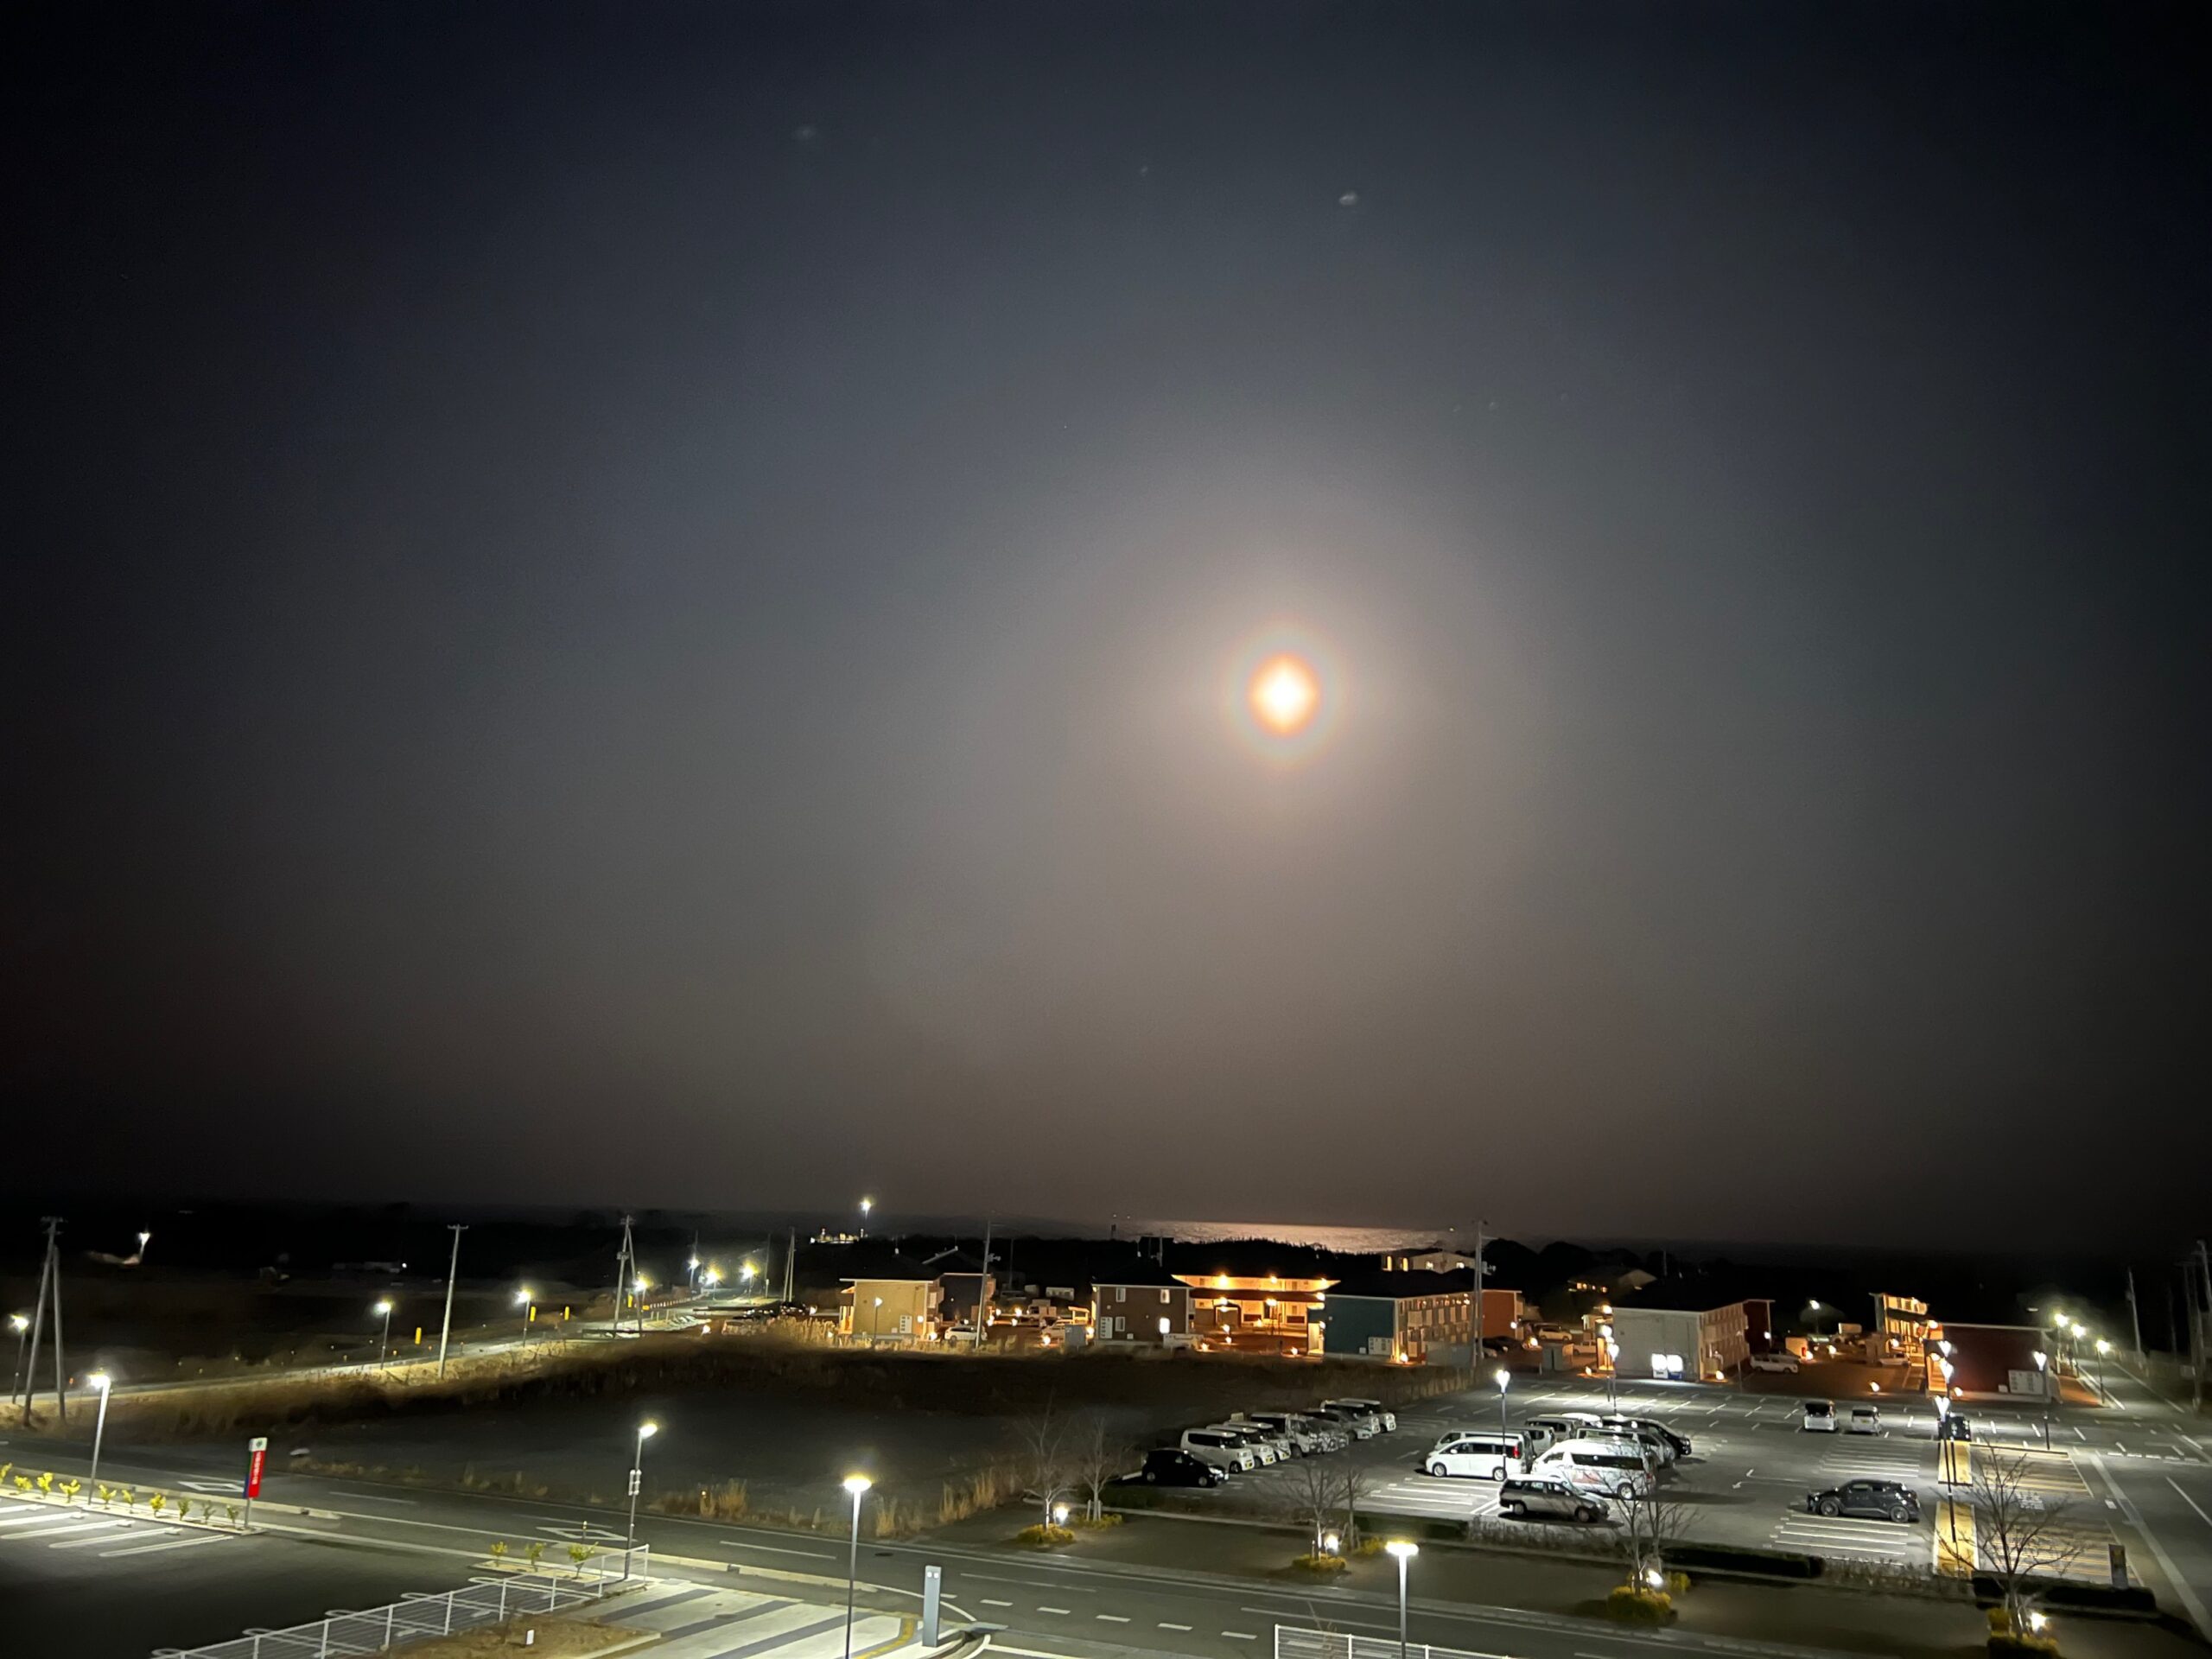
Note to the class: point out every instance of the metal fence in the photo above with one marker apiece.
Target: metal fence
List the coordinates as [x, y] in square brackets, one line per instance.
[488, 1602]
[1292, 1643]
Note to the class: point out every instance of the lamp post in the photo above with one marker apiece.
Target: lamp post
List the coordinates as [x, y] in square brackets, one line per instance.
[876, 1322]
[383, 1341]
[101, 1381]
[22, 1325]
[1613, 1373]
[857, 1486]
[646, 1430]
[1503, 1378]
[144, 1240]
[1405, 1550]
[2043, 1379]
[522, 1301]
[867, 1204]
[2103, 1348]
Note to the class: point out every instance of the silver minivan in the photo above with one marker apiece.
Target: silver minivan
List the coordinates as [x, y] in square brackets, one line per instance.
[1222, 1451]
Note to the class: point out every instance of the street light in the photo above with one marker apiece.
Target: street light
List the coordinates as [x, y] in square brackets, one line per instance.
[22, 1325]
[1503, 1377]
[1613, 1373]
[875, 1323]
[2042, 1383]
[646, 1430]
[867, 1204]
[383, 1341]
[143, 1239]
[1405, 1550]
[2103, 1348]
[101, 1381]
[522, 1301]
[857, 1486]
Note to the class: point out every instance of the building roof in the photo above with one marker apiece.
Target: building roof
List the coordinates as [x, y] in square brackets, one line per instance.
[1693, 1292]
[1405, 1285]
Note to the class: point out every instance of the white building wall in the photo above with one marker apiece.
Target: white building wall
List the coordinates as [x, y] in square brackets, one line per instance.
[1645, 1331]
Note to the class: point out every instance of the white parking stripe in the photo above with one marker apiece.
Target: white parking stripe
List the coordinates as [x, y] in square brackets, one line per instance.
[166, 1543]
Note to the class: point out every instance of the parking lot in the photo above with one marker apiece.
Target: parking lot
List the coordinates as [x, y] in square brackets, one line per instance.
[1745, 1481]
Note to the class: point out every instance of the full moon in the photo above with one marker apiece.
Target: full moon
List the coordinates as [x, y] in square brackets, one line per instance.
[1284, 694]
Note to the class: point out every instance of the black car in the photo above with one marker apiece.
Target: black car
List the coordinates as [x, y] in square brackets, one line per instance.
[1881, 1500]
[1169, 1466]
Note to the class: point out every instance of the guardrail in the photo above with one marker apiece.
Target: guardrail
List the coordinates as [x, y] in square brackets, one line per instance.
[1292, 1643]
[378, 1629]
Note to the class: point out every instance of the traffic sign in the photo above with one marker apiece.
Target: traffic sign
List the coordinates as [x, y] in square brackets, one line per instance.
[257, 1450]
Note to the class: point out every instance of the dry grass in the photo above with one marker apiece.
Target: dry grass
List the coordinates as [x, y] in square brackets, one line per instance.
[557, 1638]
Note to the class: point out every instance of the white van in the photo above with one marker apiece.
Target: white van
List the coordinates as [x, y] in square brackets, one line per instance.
[1222, 1451]
[1485, 1456]
[1820, 1417]
[1609, 1468]
[1536, 1439]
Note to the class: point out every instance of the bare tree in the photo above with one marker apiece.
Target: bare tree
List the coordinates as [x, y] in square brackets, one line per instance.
[1351, 1486]
[1313, 1497]
[2020, 1534]
[1041, 1459]
[1099, 1456]
[1650, 1525]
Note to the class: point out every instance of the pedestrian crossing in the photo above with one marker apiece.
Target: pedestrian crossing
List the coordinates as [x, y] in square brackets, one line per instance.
[27, 1523]
[1453, 1499]
[696, 1621]
[1900, 1542]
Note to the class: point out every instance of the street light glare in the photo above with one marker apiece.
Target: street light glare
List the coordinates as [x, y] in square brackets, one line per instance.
[99, 1380]
[381, 1307]
[1284, 694]
[647, 1429]
[857, 1484]
[1403, 1548]
[522, 1294]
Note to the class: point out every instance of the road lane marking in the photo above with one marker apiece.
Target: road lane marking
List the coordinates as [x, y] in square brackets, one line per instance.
[1242, 1636]
[1111, 1618]
[166, 1543]
[1165, 1626]
[1053, 1610]
[370, 1497]
[989, 1602]
[2186, 1499]
[1031, 1584]
[777, 1549]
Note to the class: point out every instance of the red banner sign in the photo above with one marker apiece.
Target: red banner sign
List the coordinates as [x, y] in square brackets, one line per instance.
[259, 1450]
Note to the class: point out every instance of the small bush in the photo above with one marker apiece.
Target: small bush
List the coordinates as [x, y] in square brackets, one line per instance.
[1321, 1566]
[1043, 1537]
[1368, 1549]
[1634, 1605]
[1105, 1520]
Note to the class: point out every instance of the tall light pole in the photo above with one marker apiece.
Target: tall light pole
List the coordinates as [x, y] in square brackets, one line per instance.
[144, 1240]
[453, 1270]
[1504, 1377]
[867, 1204]
[2103, 1348]
[857, 1486]
[21, 1322]
[101, 1381]
[876, 1322]
[522, 1301]
[1613, 1372]
[1405, 1550]
[646, 1430]
[2043, 1379]
[383, 1341]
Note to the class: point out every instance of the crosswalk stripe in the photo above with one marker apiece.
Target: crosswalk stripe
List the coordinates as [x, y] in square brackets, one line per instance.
[166, 1543]
[57, 1531]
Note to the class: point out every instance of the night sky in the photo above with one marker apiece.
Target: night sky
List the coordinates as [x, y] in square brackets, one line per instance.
[631, 604]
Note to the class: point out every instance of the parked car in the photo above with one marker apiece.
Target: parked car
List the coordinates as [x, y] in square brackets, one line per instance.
[1360, 1424]
[1305, 1436]
[1883, 1500]
[1819, 1417]
[1492, 1456]
[1865, 1420]
[1565, 1425]
[1662, 1438]
[1385, 1419]
[1262, 1446]
[1227, 1452]
[1169, 1466]
[1599, 1468]
[1778, 1361]
[1548, 1500]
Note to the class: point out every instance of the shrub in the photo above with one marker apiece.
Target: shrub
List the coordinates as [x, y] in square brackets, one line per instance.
[1368, 1549]
[1100, 1522]
[1321, 1566]
[1634, 1605]
[1044, 1537]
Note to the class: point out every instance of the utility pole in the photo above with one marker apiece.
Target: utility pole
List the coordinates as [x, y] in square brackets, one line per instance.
[2196, 1324]
[983, 1286]
[452, 1267]
[625, 1269]
[2135, 1316]
[1475, 1311]
[50, 1286]
[790, 1263]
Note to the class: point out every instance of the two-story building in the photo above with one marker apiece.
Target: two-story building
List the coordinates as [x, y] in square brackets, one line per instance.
[1412, 1317]
[1139, 1302]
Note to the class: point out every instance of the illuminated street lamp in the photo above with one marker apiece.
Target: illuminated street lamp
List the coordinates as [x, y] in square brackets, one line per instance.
[2103, 1348]
[144, 1240]
[101, 1381]
[1613, 1372]
[1503, 1378]
[857, 1486]
[383, 1341]
[522, 1295]
[2043, 1380]
[1405, 1550]
[714, 1277]
[867, 1204]
[646, 1430]
[22, 1327]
